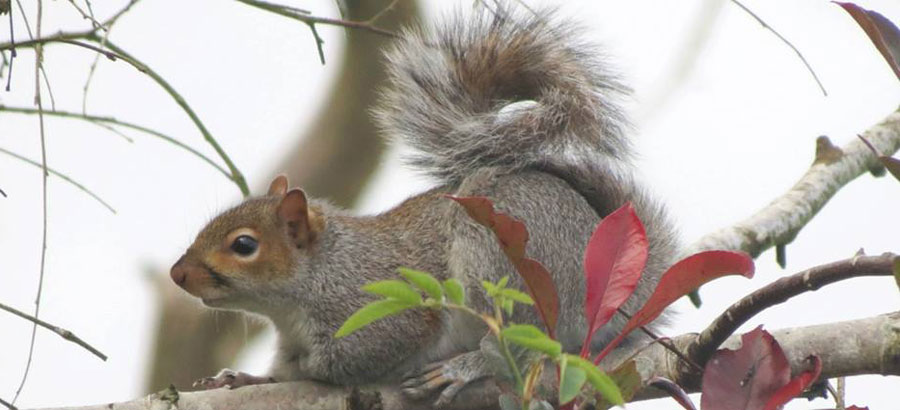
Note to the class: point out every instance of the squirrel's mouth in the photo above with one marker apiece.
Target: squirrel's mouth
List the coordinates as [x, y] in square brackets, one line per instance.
[216, 301]
[216, 289]
[219, 279]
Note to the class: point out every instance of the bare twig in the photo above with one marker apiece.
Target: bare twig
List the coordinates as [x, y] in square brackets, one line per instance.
[54, 38]
[310, 19]
[47, 82]
[62, 176]
[114, 131]
[90, 10]
[841, 389]
[31, 36]
[3, 193]
[785, 41]
[374, 19]
[12, 52]
[108, 54]
[87, 16]
[234, 174]
[780, 291]
[93, 69]
[63, 333]
[8, 405]
[665, 343]
[38, 64]
[24, 18]
[110, 120]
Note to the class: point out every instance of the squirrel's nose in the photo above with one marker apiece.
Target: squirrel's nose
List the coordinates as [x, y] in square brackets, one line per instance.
[178, 273]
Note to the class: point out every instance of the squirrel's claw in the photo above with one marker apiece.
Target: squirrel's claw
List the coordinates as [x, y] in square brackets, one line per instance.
[230, 379]
[447, 377]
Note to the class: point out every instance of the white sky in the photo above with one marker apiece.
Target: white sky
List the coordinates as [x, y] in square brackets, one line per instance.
[738, 132]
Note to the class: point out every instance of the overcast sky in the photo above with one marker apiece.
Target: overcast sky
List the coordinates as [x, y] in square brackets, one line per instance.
[738, 130]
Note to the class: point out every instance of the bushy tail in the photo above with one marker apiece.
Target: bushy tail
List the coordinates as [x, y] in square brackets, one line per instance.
[500, 89]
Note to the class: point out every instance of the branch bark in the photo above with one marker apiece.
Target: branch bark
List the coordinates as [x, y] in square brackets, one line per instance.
[850, 348]
[780, 221]
[780, 291]
[864, 346]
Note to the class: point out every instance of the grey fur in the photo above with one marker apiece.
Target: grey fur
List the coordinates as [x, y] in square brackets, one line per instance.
[513, 108]
[448, 88]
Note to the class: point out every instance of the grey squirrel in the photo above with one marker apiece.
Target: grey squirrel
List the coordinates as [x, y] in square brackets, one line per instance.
[505, 105]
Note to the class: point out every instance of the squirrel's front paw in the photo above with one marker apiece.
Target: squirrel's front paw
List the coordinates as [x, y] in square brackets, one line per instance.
[230, 379]
[447, 377]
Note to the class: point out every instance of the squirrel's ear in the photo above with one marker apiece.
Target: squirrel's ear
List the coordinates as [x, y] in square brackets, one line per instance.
[303, 223]
[279, 185]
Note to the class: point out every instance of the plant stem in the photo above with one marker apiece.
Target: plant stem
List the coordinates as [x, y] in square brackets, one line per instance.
[504, 348]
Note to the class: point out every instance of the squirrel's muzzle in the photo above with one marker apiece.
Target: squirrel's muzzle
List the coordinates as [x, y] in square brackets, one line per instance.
[179, 272]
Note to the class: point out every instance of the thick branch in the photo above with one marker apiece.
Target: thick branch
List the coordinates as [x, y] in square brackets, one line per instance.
[780, 291]
[855, 347]
[780, 221]
[864, 346]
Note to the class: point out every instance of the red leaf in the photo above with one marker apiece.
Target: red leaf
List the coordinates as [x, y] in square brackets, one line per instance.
[613, 262]
[796, 386]
[680, 279]
[744, 379]
[891, 164]
[884, 34]
[513, 236]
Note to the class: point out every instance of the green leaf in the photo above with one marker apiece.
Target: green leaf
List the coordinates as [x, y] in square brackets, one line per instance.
[571, 378]
[423, 281]
[490, 288]
[507, 306]
[455, 291]
[517, 296]
[370, 313]
[599, 380]
[502, 283]
[532, 338]
[396, 289]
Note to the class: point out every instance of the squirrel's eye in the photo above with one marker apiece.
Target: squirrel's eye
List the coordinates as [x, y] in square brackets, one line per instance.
[244, 245]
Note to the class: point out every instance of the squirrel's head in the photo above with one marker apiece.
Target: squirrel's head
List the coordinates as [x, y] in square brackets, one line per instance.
[250, 249]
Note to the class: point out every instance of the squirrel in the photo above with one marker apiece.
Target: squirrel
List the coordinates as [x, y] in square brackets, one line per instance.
[499, 104]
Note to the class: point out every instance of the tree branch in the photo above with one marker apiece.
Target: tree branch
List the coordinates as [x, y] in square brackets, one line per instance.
[302, 15]
[785, 41]
[874, 351]
[63, 333]
[99, 120]
[234, 174]
[855, 347]
[780, 291]
[62, 176]
[780, 221]
[115, 52]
